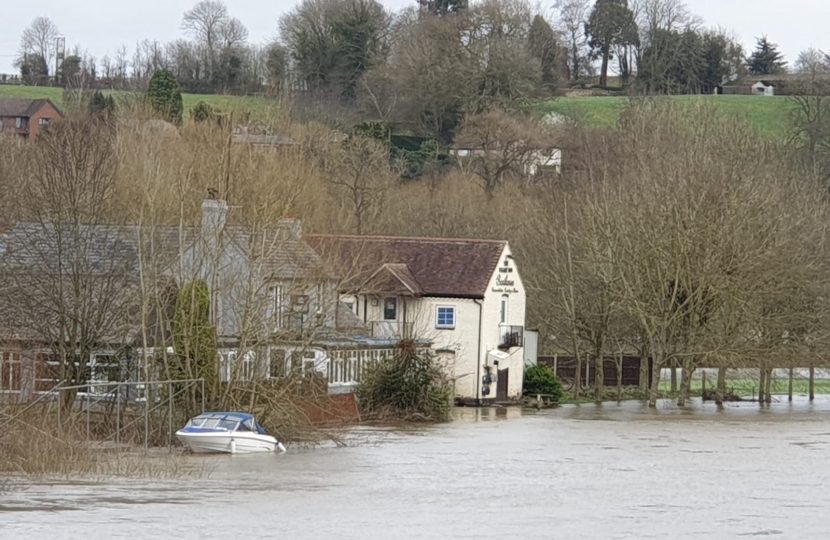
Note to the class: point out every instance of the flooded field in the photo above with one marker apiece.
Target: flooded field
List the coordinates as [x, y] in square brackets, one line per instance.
[610, 472]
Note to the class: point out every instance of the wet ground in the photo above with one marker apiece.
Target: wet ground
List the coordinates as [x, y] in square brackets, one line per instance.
[587, 472]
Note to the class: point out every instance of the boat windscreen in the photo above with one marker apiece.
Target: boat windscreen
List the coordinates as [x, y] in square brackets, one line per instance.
[228, 424]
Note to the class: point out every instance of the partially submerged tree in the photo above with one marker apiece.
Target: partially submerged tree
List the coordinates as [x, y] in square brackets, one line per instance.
[409, 385]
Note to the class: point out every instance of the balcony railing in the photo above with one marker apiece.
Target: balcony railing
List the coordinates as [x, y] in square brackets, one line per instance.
[511, 336]
[392, 330]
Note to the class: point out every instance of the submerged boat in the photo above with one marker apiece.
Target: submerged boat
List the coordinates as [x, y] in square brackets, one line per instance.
[226, 432]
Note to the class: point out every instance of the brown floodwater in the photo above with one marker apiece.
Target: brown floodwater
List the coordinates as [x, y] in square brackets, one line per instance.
[587, 472]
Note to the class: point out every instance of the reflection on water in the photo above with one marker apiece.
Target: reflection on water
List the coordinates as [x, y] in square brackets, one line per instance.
[620, 471]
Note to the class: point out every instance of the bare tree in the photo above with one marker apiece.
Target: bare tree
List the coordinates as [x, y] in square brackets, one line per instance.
[361, 174]
[812, 62]
[500, 146]
[72, 283]
[207, 22]
[39, 39]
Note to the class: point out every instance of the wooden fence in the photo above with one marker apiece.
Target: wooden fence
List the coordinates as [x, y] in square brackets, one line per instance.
[565, 368]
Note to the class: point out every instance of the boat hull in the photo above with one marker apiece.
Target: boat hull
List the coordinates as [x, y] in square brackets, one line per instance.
[228, 443]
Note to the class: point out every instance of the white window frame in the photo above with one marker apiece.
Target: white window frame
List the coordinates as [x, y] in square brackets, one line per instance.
[437, 317]
[504, 310]
[18, 122]
[276, 297]
[11, 358]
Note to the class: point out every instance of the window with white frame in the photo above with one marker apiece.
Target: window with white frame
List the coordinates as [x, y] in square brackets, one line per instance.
[227, 361]
[10, 371]
[276, 297]
[248, 366]
[445, 317]
[18, 122]
[503, 309]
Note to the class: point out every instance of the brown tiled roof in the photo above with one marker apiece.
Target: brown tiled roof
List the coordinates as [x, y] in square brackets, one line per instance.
[22, 107]
[437, 266]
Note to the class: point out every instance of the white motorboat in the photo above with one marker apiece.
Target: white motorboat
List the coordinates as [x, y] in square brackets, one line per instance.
[227, 432]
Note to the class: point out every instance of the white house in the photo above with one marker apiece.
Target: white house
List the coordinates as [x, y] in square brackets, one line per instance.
[465, 296]
[533, 162]
[763, 88]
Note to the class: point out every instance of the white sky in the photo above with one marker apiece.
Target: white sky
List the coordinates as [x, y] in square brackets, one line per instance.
[102, 26]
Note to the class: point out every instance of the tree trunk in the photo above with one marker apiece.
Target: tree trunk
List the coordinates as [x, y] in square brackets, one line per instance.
[655, 384]
[577, 377]
[761, 385]
[644, 382]
[603, 74]
[721, 390]
[599, 380]
[790, 385]
[619, 378]
[812, 383]
[768, 390]
[673, 378]
[685, 383]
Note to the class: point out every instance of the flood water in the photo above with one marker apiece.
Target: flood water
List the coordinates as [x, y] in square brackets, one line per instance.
[609, 472]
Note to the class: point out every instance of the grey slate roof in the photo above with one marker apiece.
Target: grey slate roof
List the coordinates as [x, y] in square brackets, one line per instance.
[120, 248]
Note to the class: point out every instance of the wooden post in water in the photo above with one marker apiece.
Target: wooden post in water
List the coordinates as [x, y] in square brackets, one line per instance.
[812, 383]
[790, 385]
[721, 390]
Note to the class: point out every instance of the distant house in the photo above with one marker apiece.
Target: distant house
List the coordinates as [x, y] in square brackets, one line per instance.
[784, 84]
[465, 296]
[274, 304]
[262, 136]
[25, 118]
[532, 161]
[763, 88]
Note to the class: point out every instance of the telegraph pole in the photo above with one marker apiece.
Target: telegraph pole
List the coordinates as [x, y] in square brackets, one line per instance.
[60, 54]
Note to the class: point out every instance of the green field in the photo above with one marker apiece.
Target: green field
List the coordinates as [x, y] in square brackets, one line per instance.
[745, 388]
[257, 105]
[770, 115]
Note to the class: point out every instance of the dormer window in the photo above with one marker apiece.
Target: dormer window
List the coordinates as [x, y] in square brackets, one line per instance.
[390, 308]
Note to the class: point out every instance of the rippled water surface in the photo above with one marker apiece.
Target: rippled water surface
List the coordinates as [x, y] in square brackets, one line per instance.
[610, 472]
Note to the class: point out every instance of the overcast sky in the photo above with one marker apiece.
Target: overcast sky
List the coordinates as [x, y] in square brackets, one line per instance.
[102, 26]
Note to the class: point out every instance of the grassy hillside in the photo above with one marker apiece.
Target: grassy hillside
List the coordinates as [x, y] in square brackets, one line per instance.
[260, 106]
[770, 115]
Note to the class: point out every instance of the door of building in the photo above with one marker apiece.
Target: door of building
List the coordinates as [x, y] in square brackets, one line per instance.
[501, 385]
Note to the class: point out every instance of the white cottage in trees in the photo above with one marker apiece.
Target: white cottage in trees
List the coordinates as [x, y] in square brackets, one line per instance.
[465, 296]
